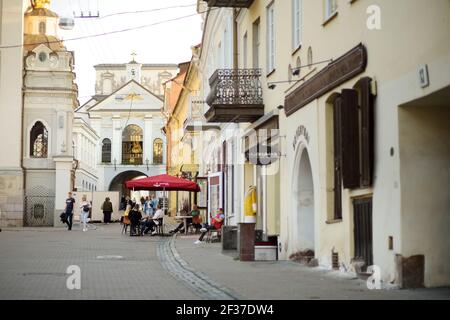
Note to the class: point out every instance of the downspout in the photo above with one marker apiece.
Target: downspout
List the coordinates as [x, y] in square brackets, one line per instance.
[235, 39]
[22, 141]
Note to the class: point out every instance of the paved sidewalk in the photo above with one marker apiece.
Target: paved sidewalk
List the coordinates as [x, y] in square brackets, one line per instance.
[285, 279]
[34, 261]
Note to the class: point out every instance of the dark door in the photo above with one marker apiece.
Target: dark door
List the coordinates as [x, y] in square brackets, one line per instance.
[363, 230]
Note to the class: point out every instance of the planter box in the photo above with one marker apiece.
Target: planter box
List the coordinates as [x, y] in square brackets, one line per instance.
[266, 253]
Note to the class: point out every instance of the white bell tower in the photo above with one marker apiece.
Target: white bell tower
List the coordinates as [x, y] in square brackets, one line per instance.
[134, 70]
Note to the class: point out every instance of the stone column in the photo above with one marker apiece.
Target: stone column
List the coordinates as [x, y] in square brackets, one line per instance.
[116, 143]
[63, 168]
[148, 138]
[246, 241]
[96, 125]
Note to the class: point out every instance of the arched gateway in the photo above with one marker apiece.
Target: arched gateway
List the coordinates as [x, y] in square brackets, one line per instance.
[118, 183]
[303, 203]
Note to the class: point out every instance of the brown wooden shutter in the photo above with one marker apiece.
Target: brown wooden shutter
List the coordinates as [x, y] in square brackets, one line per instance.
[337, 158]
[350, 139]
[367, 132]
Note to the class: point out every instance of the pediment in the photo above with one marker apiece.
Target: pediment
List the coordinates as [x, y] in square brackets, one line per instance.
[131, 95]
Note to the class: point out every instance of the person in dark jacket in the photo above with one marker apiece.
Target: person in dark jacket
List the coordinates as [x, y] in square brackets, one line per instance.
[135, 217]
[107, 208]
[69, 210]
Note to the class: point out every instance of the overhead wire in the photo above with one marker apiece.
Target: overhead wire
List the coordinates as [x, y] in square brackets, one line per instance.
[115, 31]
[147, 11]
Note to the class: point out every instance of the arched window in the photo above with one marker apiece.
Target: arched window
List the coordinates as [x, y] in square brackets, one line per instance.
[42, 28]
[106, 151]
[132, 145]
[310, 57]
[158, 151]
[39, 141]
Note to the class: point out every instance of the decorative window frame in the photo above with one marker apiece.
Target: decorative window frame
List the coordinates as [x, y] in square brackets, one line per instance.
[49, 138]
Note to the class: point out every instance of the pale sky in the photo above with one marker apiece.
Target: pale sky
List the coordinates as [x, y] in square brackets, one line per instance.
[169, 42]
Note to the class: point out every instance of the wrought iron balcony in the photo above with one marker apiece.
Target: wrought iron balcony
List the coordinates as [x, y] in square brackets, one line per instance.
[236, 96]
[230, 3]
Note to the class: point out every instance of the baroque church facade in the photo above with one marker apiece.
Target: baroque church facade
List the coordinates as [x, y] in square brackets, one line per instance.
[50, 97]
[126, 114]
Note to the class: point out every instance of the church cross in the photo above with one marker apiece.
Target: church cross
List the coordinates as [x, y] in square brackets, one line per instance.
[134, 54]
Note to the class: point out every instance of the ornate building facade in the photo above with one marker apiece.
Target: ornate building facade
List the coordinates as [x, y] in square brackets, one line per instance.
[49, 100]
[126, 115]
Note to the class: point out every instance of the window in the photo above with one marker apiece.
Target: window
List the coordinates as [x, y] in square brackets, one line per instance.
[106, 151]
[256, 43]
[353, 134]
[220, 55]
[158, 151]
[330, 8]
[132, 145]
[337, 146]
[226, 52]
[245, 51]
[42, 28]
[270, 38]
[298, 64]
[310, 58]
[296, 24]
[39, 141]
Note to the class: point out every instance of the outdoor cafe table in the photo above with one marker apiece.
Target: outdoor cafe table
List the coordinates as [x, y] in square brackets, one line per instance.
[185, 218]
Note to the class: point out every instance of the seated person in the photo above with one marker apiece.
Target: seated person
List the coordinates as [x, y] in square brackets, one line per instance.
[151, 223]
[216, 224]
[195, 213]
[135, 217]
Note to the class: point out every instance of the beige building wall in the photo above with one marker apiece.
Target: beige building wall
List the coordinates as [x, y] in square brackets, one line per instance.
[408, 39]
[11, 174]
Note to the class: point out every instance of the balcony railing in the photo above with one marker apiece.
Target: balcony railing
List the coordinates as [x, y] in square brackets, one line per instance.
[236, 96]
[230, 3]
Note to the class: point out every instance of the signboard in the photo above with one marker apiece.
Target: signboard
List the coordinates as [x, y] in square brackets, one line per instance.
[215, 194]
[202, 196]
[336, 73]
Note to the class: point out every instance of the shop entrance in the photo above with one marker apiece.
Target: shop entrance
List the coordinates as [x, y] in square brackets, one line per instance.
[424, 137]
[304, 203]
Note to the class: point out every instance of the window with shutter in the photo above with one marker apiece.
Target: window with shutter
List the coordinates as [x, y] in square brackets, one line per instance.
[350, 139]
[367, 131]
[337, 158]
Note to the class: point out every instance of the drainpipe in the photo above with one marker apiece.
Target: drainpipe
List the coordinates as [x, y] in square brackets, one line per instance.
[22, 140]
[235, 39]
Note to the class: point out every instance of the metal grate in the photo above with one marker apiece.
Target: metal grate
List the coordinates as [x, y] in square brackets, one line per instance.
[335, 260]
[39, 207]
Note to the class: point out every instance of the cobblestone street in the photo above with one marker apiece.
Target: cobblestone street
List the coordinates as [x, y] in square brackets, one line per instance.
[114, 266]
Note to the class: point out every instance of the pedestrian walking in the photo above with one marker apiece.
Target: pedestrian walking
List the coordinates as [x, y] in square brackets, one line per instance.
[70, 202]
[148, 210]
[107, 209]
[85, 208]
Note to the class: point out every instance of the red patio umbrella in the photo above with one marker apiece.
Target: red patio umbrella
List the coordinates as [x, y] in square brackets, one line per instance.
[163, 182]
